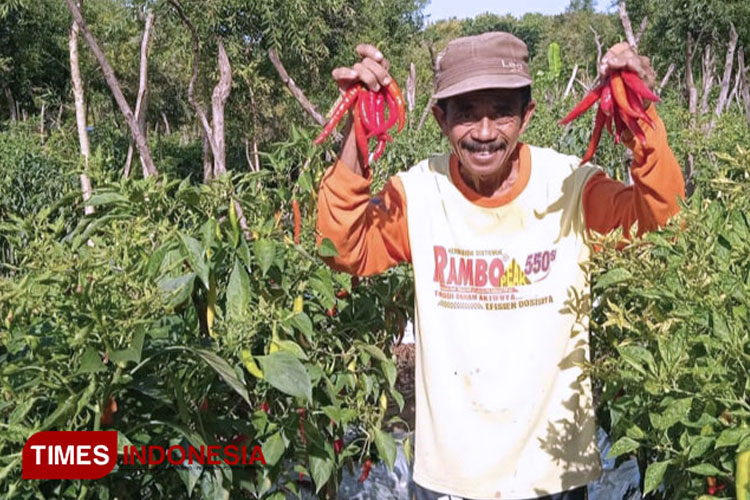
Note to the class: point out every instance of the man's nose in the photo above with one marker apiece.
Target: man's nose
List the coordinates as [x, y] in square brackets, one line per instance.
[485, 130]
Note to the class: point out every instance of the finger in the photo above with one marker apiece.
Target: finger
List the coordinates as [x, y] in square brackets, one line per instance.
[344, 73]
[379, 71]
[366, 50]
[345, 77]
[367, 77]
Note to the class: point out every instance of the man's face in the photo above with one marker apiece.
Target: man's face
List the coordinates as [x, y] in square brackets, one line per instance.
[483, 128]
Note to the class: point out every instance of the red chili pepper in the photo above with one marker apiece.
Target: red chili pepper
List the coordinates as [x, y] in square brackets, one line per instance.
[297, 221]
[342, 294]
[713, 488]
[108, 412]
[346, 102]
[393, 116]
[331, 312]
[265, 407]
[338, 445]
[378, 149]
[608, 125]
[595, 136]
[582, 106]
[365, 470]
[379, 110]
[361, 138]
[619, 127]
[395, 92]
[204, 405]
[634, 83]
[239, 439]
[606, 104]
[634, 127]
[620, 96]
[635, 102]
[364, 113]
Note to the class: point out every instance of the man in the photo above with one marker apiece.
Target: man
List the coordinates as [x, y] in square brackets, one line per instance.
[495, 232]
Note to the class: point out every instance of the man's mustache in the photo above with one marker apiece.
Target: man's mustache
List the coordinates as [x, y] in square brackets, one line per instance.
[482, 147]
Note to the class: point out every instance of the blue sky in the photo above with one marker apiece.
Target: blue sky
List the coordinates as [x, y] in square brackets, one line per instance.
[443, 9]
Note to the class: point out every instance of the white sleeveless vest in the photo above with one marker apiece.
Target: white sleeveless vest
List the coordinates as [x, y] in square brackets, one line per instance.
[501, 325]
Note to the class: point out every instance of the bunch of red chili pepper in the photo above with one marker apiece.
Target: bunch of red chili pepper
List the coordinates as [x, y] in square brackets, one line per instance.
[369, 115]
[620, 98]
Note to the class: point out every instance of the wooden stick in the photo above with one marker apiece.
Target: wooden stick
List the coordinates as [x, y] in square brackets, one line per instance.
[626, 24]
[296, 91]
[114, 86]
[571, 81]
[666, 78]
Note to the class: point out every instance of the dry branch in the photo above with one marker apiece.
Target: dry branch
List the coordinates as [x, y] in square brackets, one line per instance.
[209, 134]
[411, 87]
[626, 24]
[598, 43]
[431, 101]
[293, 88]
[218, 101]
[664, 80]
[114, 86]
[641, 31]
[689, 80]
[141, 101]
[80, 104]
[572, 79]
[727, 77]
[708, 66]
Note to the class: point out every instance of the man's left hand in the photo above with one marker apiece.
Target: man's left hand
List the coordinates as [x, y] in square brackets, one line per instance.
[622, 56]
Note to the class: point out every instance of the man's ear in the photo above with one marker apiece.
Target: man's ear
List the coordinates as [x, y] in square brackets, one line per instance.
[440, 117]
[527, 116]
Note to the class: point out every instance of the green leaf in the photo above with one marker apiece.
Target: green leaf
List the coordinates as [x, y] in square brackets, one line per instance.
[273, 448]
[721, 330]
[177, 290]
[265, 253]
[705, 470]
[132, 353]
[622, 446]
[390, 371]
[292, 348]
[287, 374]
[195, 257]
[654, 475]
[612, 277]
[341, 416]
[302, 322]
[304, 182]
[322, 282]
[637, 356]
[101, 199]
[699, 446]
[91, 362]
[238, 293]
[225, 371]
[732, 437]
[320, 470]
[386, 447]
[327, 248]
[398, 398]
[373, 351]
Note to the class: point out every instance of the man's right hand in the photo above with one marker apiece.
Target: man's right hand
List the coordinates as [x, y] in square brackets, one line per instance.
[372, 71]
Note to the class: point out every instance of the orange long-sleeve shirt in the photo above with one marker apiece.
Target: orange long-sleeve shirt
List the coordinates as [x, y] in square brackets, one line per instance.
[371, 234]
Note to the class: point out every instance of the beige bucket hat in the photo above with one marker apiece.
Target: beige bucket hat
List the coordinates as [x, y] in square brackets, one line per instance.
[486, 61]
